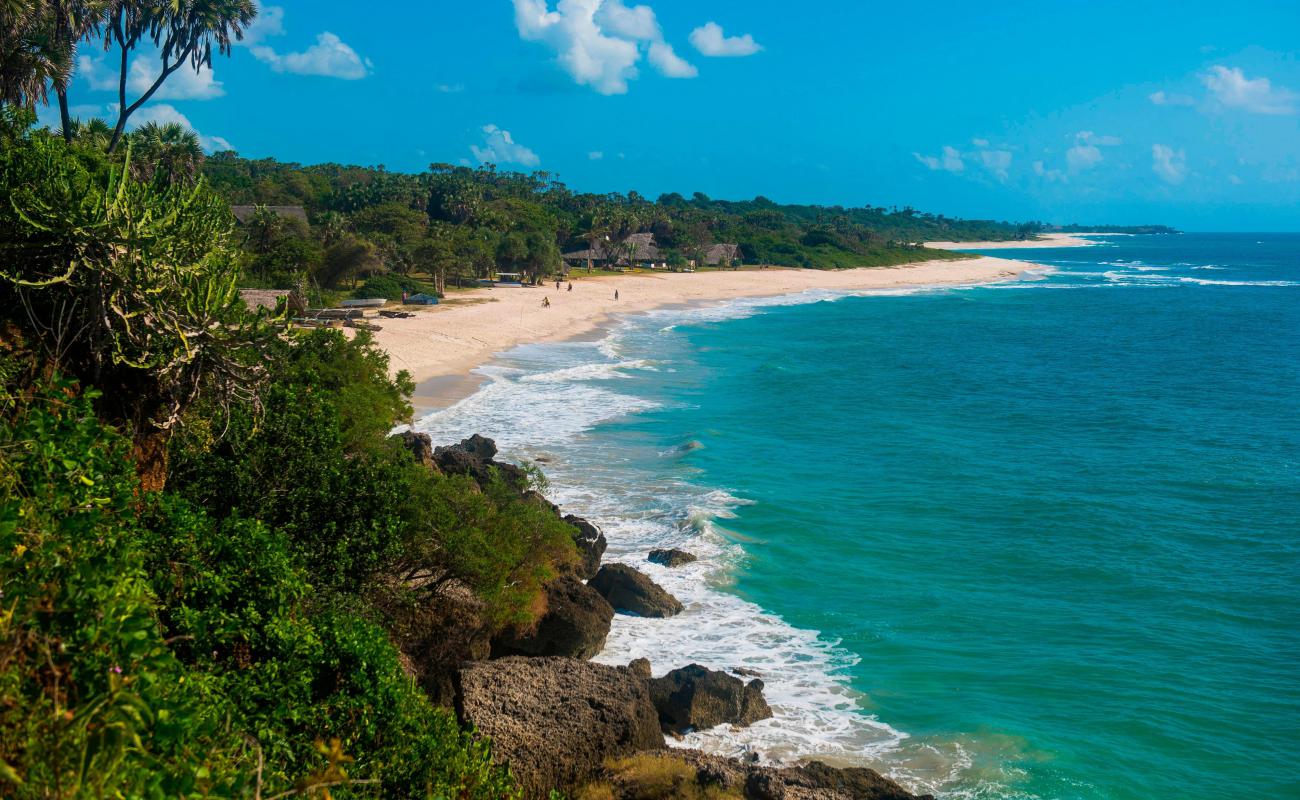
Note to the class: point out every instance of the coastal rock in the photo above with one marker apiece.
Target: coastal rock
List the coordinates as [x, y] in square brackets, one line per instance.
[672, 557]
[475, 457]
[575, 624]
[420, 447]
[591, 544]
[629, 591]
[811, 781]
[697, 698]
[557, 720]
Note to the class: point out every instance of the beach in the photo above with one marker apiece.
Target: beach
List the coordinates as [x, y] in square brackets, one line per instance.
[441, 345]
[1044, 240]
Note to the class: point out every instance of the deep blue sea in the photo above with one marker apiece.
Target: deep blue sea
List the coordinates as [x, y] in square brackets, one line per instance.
[1038, 539]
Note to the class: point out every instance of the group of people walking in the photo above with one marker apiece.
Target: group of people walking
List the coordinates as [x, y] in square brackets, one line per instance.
[546, 301]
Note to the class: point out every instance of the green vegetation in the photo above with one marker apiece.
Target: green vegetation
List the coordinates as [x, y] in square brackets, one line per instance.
[204, 521]
[1077, 228]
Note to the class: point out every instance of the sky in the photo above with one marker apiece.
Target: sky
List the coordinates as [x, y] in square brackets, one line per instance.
[1182, 113]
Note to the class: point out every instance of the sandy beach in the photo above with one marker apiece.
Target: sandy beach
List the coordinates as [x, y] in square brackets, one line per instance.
[1046, 240]
[440, 345]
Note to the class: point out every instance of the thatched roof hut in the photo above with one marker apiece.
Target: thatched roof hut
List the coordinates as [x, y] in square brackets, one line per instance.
[245, 213]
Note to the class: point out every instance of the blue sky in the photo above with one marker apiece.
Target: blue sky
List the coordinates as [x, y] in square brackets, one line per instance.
[1185, 113]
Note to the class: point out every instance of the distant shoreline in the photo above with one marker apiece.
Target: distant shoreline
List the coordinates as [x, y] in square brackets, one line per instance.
[1047, 240]
[441, 346]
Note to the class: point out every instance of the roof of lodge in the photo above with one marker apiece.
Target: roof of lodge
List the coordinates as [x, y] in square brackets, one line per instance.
[264, 298]
[646, 250]
[245, 213]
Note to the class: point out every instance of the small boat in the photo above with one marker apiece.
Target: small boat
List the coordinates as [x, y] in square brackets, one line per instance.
[369, 302]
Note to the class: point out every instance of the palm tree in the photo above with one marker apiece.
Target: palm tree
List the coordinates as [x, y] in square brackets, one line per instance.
[29, 57]
[170, 150]
[94, 133]
[184, 31]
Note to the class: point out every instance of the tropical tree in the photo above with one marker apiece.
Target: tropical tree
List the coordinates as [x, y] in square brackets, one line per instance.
[170, 151]
[346, 259]
[184, 31]
[30, 59]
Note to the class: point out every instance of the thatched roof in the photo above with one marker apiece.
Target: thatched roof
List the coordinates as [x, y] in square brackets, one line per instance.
[262, 298]
[722, 254]
[646, 250]
[245, 213]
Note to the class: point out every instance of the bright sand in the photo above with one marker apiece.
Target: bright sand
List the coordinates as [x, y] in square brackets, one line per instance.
[1044, 240]
[440, 345]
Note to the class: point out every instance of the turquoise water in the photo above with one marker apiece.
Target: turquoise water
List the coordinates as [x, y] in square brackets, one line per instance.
[1030, 540]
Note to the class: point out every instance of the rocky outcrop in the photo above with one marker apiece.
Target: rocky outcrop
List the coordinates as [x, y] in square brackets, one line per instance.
[811, 781]
[557, 720]
[420, 447]
[629, 591]
[475, 457]
[697, 698]
[575, 624]
[591, 544]
[672, 557]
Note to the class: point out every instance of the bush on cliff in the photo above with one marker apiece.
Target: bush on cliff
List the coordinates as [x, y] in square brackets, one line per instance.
[147, 649]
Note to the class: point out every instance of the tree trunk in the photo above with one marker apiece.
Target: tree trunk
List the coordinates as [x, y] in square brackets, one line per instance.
[150, 454]
[64, 116]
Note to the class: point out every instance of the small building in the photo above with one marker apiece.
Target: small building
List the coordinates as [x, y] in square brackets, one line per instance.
[244, 213]
[638, 250]
[263, 298]
[722, 255]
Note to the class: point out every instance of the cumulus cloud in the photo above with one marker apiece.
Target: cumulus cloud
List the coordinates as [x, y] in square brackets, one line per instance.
[996, 161]
[183, 84]
[499, 147]
[1049, 175]
[949, 161]
[1168, 163]
[1086, 152]
[595, 155]
[330, 57]
[1162, 98]
[600, 42]
[710, 40]
[163, 113]
[1232, 89]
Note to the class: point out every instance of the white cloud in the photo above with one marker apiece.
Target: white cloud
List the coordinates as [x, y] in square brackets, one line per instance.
[1232, 89]
[595, 155]
[269, 22]
[183, 84]
[1162, 98]
[329, 57]
[949, 161]
[669, 64]
[996, 161]
[710, 40]
[499, 147]
[1086, 152]
[600, 42]
[163, 113]
[1049, 175]
[980, 142]
[97, 74]
[1168, 163]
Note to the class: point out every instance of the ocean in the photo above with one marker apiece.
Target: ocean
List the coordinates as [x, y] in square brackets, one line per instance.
[1039, 539]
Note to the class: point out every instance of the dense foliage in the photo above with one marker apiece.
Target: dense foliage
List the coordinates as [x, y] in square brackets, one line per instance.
[460, 223]
[221, 631]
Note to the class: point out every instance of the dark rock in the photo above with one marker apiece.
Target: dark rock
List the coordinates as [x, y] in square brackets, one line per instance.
[747, 673]
[557, 720]
[695, 774]
[640, 667]
[672, 558]
[591, 544]
[811, 781]
[420, 447]
[630, 591]
[696, 698]
[575, 624]
[474, 457]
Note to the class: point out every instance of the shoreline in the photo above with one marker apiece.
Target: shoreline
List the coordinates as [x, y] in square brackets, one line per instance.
[1048, 240]
[440, 347]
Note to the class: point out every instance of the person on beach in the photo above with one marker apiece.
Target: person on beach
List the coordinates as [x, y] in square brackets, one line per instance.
[570, 285]
[616, 294]
[546, 302]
